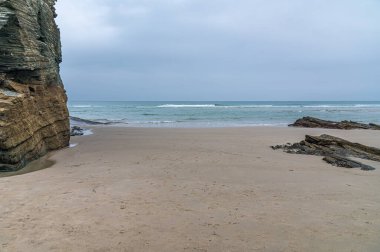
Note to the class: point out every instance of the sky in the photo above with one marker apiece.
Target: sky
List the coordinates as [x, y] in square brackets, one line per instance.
[251, 50]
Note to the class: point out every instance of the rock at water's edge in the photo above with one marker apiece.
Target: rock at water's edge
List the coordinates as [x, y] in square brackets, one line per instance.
[312, 122]
[76, 131]
[33, 114]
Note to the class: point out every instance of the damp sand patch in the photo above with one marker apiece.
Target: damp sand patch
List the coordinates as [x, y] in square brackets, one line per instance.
[36, 165]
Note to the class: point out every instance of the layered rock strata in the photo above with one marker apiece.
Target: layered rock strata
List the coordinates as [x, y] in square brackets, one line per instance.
[336, 151]
[312, 122]
[33, 113]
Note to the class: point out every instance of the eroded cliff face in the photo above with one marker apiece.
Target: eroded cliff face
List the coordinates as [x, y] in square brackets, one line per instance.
[33, 111]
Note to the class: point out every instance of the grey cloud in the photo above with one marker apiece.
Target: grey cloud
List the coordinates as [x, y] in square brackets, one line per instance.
[221, 50]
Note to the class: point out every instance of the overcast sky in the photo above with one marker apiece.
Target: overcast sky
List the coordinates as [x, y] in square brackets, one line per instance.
[220, 49]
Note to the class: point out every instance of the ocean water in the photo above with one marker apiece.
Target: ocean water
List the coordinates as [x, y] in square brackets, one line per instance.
[220, 114]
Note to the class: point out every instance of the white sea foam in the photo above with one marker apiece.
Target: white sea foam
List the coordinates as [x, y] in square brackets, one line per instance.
[264, 106]
[366, 105]
[85, 106]
[87, 132]
[148, 124]
[329, 106]
[80, 106]
[186, 106]
[156, 122]
[246, 106]
[261, 106]
[343, 106]
[224, 106]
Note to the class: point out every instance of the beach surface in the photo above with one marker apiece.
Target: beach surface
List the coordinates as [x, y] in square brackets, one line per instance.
[215, 189]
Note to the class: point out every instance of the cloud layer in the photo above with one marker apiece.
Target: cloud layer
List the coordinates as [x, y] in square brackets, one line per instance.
[221, 50]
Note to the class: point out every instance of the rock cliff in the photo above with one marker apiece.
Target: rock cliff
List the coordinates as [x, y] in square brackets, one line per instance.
[33, 113]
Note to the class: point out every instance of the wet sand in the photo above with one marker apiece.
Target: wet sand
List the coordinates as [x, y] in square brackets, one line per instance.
[136, 189]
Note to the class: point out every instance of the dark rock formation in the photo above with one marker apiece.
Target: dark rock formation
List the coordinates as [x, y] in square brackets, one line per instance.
[33, 112]
[30, 47]
[346, 163]
[336, 151]
[311, 122]
[81, 121]
[76, 131]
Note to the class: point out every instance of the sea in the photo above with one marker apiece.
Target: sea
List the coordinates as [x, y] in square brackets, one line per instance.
[219, 113]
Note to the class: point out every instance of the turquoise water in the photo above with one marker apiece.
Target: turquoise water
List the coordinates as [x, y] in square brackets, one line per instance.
[220, 114]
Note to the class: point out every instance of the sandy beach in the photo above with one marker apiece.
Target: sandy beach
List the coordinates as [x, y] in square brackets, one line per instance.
[216, 189]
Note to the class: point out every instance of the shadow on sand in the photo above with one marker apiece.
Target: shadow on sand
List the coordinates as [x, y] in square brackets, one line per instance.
[36, 165]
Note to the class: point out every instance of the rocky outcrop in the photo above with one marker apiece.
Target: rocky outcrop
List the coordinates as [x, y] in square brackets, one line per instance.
[81, 121]
[30, 47]
[336, 151]
[76, 131]
[33, 113]
[312, 122]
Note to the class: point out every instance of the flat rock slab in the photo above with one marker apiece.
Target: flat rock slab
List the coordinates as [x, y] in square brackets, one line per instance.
[312, 122]
[336, 151]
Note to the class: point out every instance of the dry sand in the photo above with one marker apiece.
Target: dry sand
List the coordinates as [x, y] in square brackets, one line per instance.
[135, 189]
